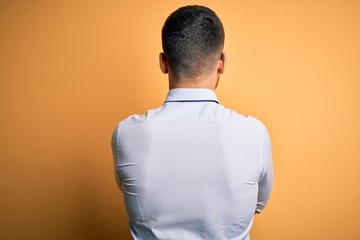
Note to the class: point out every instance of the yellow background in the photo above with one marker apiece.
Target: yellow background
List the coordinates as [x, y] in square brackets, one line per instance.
[71, 70]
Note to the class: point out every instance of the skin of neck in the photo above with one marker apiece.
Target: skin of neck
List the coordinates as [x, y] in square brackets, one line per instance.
[209, 80]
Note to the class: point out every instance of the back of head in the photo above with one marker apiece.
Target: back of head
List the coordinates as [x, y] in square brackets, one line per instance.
[192, 41]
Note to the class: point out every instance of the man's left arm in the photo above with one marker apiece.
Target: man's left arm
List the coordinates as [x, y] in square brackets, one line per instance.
[267, 177]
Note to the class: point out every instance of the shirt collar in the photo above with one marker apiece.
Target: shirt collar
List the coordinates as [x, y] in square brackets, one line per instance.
[191, 94]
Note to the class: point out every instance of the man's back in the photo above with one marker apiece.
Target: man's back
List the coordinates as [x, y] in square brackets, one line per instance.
[192, 169]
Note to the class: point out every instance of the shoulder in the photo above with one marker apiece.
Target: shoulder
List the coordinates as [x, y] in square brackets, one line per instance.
[139, 118]
[129, 121]
[248, 121]
[258, 125]
[124, 124]
[261, 130]
[132, 119]
[256, 122]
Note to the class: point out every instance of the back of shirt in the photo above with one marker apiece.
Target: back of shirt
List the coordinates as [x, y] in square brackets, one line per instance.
[192, 170]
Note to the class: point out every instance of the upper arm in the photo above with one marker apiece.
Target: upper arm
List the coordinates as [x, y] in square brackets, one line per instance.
[267, 177]
[116, 154]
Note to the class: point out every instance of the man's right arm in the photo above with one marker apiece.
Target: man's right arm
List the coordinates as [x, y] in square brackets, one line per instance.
[115, 152]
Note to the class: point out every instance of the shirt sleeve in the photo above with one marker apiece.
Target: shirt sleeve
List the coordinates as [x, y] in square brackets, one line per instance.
[116, 155]
[267, 177]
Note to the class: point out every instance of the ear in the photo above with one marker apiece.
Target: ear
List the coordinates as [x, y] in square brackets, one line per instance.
[163, 63]
[222, 63]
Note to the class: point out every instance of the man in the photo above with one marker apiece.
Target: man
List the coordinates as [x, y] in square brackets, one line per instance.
[192, 169]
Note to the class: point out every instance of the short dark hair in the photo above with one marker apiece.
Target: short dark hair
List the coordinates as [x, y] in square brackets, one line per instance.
[192, 40]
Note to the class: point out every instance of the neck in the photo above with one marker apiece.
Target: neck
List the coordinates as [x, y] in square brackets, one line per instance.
[198, 82]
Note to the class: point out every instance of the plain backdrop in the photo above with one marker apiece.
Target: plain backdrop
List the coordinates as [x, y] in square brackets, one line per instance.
[71, 70]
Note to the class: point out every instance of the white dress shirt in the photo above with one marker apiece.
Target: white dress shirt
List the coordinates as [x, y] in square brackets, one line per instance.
[192, 169]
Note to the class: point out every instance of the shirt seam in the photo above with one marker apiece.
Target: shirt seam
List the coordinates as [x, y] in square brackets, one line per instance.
[123, 124]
